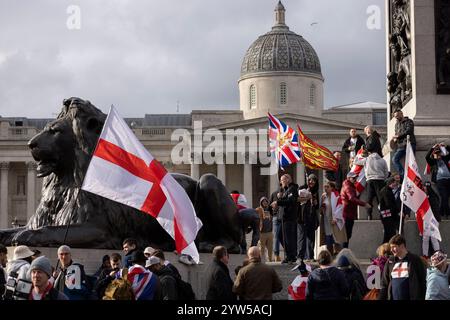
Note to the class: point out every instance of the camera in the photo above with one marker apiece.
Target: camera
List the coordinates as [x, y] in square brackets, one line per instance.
[17, 289]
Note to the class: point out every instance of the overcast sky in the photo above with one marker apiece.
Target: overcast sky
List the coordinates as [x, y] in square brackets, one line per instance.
[145, 55]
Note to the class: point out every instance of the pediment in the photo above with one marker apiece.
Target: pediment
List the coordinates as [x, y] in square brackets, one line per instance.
[308, 124]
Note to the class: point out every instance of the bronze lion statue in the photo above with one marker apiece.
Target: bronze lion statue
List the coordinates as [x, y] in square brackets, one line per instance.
[63, 151]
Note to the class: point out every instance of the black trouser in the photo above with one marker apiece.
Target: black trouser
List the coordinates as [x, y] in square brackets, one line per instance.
[306, 236]
[443, 186]
[389, 226]
[373, 191]
[349, 229]
[288, 239]
[249, 218]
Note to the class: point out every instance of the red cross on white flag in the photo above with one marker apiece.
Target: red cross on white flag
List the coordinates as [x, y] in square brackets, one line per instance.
[122, 170]
[413, 195]
[400, 270]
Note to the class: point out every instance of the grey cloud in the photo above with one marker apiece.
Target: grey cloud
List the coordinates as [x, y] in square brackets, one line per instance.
[143, 56]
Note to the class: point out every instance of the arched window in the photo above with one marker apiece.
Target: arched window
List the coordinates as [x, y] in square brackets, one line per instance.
[312, 95]
[283, 93]
[252, 96]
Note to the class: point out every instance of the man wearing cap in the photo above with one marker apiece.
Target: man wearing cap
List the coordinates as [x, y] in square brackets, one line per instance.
[42, 289]
[437, 278]
[297, 289]
[20, 263]
[351, 203]
[168, 283]
[70, 277]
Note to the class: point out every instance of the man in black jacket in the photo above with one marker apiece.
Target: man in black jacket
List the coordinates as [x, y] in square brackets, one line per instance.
[351, 147]
[219, 285]
[404, 127]
[288, 209]
[438, 157]
[308, 219]
[404, 274]
[389, 212]
[373, 143]
[168, 284]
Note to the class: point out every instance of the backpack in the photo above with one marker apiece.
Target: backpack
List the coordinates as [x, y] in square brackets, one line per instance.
[185, 291]
[119, 289]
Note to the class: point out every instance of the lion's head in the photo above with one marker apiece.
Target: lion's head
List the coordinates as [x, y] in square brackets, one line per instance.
[65, 145]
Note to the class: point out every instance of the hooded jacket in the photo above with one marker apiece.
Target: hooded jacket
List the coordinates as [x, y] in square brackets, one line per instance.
[168, 283]
[21, 267]
[375, 167]
[373, 143]
[327, 284]
[402, 130]
[437, 285]
[265, 225]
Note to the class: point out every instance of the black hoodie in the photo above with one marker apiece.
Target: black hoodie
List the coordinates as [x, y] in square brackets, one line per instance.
[327, 284]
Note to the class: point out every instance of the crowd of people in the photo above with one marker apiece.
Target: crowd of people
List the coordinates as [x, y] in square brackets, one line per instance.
[288, 218]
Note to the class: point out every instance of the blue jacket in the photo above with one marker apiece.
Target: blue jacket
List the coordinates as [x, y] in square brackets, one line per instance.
[437, 285]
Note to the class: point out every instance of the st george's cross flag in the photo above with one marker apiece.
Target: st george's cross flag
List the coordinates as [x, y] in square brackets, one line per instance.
[413, 195]
[358, 168]
[283, 142]
[121, 169]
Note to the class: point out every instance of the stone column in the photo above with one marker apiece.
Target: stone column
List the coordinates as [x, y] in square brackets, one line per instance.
[31, 189]
[300, 174]
[248, 183]
[195, 171]
[221, 173]
[4, 169]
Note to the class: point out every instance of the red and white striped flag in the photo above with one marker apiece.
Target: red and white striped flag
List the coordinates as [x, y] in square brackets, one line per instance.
[358, 168]
[413, 195]
[122, 170]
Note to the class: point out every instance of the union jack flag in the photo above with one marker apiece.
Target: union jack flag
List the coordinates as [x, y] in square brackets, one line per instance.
[283, 142]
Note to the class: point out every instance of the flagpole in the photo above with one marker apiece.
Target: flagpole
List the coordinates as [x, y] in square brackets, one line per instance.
[405, 174]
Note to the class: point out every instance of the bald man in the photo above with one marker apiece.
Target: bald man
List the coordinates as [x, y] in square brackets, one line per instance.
[256, 281]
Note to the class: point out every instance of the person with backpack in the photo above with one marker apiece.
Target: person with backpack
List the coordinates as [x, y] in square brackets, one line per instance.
[326, 282]
[20, 263]
[168, 287]
[353, 275]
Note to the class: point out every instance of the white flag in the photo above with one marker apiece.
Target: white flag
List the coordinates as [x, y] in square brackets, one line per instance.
[122, 170]
[413, 195]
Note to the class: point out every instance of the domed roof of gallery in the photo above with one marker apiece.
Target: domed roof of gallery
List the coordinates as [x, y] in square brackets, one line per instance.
[280, 50]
